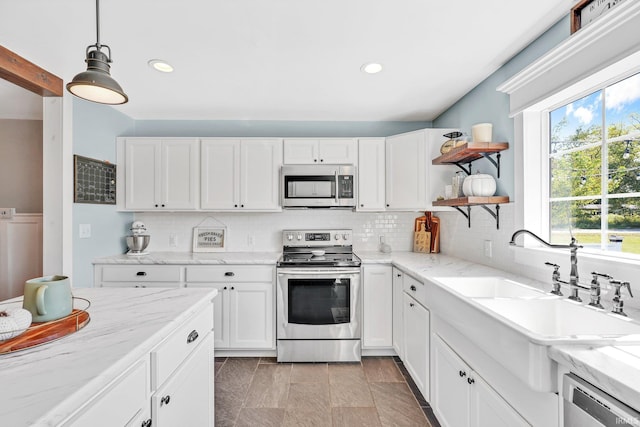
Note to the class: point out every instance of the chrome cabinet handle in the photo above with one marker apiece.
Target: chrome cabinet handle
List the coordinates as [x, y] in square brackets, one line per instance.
[141, 273]
[462, 374]
[192, 337]
[229, 274]
[413, 288]
[165, 400]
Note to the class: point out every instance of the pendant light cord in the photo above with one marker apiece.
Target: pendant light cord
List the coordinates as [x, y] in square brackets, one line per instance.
[98, 24]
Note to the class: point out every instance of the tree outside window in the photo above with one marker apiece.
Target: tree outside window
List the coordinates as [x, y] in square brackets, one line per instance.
[594, 159]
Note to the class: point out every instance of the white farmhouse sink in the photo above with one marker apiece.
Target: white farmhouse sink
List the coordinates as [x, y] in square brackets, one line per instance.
[490, 287]
[517, 331]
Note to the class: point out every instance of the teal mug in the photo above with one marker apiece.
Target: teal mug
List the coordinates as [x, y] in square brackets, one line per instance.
[48, 298]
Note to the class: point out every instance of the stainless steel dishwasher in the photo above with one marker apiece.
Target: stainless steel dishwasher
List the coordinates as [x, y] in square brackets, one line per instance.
[587, 406]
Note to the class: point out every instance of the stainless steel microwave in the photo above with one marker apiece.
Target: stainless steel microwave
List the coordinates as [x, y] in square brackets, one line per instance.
[318, 186]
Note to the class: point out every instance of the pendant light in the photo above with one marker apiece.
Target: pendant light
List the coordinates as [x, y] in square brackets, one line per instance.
[96, 84]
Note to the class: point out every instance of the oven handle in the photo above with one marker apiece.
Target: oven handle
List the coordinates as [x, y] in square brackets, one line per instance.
[337, 187]
[316, 271]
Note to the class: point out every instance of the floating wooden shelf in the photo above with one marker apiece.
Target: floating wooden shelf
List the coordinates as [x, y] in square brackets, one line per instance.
[471, 151]
[475, 201]
[472, 201]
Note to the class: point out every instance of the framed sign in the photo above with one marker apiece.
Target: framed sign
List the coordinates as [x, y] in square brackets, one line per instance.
[209, 239]
[94, 181]
[586, 11]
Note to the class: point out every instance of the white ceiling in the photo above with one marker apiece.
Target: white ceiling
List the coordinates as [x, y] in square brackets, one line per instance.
[282, 59]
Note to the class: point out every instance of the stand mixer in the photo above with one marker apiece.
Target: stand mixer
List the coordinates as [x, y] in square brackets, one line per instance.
[138, 240]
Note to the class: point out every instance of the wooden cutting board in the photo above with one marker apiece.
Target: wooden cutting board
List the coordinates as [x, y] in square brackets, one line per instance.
[44, 332]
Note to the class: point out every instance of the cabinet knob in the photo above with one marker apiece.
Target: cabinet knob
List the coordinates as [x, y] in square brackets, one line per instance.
[388, 205]
[146, 423]
[156, 206]
[141, 273]
[362, 205]
[232, 288]
[462, 374]
[242, 206]
[411, 304]
[399, 275]
[225, 288]
[315, 160]
[192, 337]
[235, 206]
[163, 205]
[165, 400]
[229, 274]
[413, 288]
[470, 381]
[322, 160]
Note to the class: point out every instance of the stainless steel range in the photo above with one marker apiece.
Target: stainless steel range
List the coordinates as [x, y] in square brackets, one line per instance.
[318, 297]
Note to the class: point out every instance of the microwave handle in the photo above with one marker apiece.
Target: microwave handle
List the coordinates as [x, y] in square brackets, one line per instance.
[337, 187]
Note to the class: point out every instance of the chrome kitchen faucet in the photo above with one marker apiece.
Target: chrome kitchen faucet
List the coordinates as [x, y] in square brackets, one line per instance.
[573, 275]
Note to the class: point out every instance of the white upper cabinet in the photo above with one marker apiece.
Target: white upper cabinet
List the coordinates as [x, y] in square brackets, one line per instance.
[406, 165]
[371, 174]
[240, 174]
[161, 174]
[320, 150]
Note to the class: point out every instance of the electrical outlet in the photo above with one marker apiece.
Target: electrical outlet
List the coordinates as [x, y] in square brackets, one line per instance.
[488, 252]
[173, 240]
[84, 231]
[7, 213]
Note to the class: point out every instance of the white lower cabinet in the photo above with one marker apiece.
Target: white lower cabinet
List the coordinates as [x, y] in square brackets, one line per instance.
[244, 308]
[460, 397]
[416, 343]
[398, 342]
[169, 386]
[137, 276]
[185, 399]
[377, 321]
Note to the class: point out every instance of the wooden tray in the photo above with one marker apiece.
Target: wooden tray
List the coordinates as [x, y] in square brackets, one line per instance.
[44, 332]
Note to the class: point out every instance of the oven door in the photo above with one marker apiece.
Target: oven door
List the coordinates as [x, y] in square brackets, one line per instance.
[317, 303]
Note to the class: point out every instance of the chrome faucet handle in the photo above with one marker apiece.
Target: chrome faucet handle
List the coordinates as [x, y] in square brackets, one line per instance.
[618, 304]
[595, 289]
[555, 278]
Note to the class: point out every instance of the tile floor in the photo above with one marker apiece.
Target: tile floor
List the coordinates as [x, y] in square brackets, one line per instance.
[261, 392]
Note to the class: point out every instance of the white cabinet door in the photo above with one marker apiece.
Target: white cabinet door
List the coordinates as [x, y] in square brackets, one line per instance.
[398, 303]
[220, 312]
[251, 316]
[337, 150]
[488, 408]
[406, 171]
[371, 174]
[185, 399]
[260, 162]
[143, 159]
[377, 322]
[450, 392]
[220, 176]
[299, 151]
[161, 174]
[416, 343]
[320, 150]
[180, 174]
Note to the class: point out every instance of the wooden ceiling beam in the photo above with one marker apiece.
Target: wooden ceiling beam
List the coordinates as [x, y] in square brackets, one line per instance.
[28, 75]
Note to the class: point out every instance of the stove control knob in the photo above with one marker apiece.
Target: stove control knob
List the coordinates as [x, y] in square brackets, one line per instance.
[299, 236]
[337, 237]
[289, 236]
[345, 236]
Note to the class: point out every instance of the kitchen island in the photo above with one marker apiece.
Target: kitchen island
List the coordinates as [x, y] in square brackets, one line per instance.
[136, 331]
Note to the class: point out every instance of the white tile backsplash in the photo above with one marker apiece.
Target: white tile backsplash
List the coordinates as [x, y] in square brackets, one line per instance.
[263, 231]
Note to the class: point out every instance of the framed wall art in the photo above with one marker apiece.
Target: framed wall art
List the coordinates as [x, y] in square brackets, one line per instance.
[209, 239]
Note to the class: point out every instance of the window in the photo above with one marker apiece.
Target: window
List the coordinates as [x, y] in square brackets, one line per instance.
[594, 168]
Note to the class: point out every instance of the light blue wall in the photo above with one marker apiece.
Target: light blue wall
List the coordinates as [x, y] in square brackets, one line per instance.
[233, 128]
[95, 128]
[485, 104]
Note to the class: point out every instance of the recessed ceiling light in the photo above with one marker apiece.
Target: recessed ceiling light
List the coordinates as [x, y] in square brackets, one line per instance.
[371, 68]
[160, 65]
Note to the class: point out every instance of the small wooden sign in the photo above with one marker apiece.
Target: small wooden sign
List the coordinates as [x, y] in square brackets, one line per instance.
[209, 239]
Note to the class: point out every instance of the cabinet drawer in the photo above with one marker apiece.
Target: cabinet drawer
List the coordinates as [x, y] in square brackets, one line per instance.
[120, 403]
[140, 284]
[141, 273]
[172, 352]
[415, 288]
[230, 273]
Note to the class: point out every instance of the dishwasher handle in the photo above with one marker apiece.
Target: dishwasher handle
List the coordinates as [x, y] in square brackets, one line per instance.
[586, 405]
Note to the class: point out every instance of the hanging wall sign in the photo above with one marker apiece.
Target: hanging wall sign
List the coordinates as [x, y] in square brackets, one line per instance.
[209, 239]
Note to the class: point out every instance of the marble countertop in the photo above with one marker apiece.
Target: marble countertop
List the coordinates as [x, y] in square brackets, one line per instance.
[43, 385]
[193, 258]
